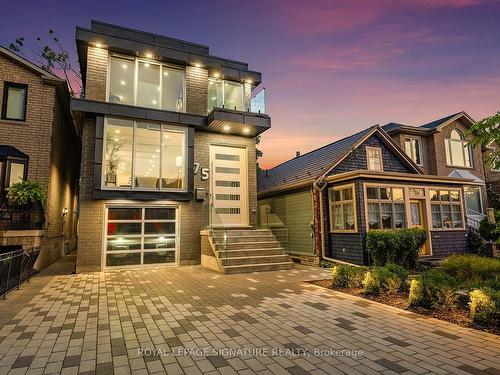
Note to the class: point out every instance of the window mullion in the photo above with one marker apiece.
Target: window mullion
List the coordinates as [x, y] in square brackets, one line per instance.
[160, 186]
[132, 175]
[136, 78]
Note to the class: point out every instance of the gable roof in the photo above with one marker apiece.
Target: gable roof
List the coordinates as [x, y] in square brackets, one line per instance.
[429, 127]
[304, 169]
[28, 64]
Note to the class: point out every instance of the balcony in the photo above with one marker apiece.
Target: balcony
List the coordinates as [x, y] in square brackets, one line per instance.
[25, 217]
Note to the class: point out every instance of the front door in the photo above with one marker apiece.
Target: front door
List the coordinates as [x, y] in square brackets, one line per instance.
[229, 191]
[417, 220]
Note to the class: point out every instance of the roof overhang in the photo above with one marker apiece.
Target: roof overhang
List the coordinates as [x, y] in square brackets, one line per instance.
[279, 189]
[236, 122]
[458, 116]
[380, 175]
[412, 130]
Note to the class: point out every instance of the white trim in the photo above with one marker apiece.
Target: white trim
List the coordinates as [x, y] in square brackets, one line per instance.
[367, 151]
[420, 147]
[342, 202]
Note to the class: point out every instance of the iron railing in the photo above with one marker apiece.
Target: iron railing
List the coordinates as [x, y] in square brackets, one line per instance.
[16, 267]
[21, 217]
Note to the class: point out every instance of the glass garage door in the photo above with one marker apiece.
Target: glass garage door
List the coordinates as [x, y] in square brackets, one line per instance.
[140, 236]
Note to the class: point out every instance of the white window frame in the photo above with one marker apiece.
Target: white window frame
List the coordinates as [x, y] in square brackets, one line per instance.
[368, 148]
[215, 80]
[136, 75]
[386, 201]
[341, 204]
[480, 197]
[142, 221]
[450, 203]
[420, 151]
[132, 185]
[466, 151]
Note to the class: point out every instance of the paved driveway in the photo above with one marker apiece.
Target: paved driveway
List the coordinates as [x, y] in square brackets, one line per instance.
[192, 320]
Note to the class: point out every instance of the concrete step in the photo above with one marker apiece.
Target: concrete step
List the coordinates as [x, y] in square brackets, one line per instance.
[239, 239]
[249, 252]
[247, 245]
[258, 267]
[241, 232]
[254, 259]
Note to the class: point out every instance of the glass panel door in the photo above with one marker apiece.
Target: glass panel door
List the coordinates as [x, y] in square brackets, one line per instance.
[417, 220]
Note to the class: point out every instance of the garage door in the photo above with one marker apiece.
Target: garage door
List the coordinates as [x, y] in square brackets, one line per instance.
[137, 236]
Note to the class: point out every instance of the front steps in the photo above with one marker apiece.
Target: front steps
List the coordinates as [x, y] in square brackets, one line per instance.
[249, 250]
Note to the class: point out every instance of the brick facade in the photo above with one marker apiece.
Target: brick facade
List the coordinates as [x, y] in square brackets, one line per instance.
[48, 138]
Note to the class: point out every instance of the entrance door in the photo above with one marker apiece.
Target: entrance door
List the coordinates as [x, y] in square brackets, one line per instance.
[229, 197]
[417, 220]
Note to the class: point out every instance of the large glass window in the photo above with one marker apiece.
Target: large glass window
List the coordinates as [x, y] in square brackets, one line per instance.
[144, 156]
[14, 101]
[374, 158]
[458, 151]
[16, 173]
[140, 235]
[225, 94]
[385, 207]
[342, 209]
[473, 199]
[446, 209]
[413, 149]
[146, 84]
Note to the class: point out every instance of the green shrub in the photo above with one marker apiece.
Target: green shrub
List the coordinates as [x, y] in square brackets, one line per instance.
[490, 232]
[472, 268]
[399, 246]
[389, 279]
[346, 276]
[433, 289]
[485, 306]
[325, 264]
[475, 243]
[27, 192]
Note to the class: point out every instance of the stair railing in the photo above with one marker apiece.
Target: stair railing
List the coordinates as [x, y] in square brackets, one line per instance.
[269, 220]
[219, 230]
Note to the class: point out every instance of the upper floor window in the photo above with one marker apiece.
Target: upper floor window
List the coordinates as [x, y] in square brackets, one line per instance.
[15, 97]
[342, 209]
[144, 156]
[458, 151]
[374, 159]
[225, 94]
[413, 149]
[146, 84]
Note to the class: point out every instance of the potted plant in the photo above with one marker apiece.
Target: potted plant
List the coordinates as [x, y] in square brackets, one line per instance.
[30, 199]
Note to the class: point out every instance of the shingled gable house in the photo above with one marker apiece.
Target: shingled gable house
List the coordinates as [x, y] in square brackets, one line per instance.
[169, 160]
[324, 202]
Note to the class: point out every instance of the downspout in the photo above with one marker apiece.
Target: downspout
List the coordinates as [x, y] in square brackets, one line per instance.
[320, 185]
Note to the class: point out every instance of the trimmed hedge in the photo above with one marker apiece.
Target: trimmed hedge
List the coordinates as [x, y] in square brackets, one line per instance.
[433, 289]
[389, 279]
[346, 276]
[399, 246]
[472, 268]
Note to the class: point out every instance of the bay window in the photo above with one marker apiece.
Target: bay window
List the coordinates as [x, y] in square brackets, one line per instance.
[225, 94]
[413, 149]
[342, 209]
[385, 207]
[144, 156]
[146, 84]
[458, 151]
[446, 209]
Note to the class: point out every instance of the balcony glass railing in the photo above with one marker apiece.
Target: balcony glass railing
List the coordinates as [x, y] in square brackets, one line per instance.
[258, 102]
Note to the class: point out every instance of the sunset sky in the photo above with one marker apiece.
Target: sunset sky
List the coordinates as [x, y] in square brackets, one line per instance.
[330, 68]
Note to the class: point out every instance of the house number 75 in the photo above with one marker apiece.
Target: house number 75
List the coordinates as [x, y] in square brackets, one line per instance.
[205, 172]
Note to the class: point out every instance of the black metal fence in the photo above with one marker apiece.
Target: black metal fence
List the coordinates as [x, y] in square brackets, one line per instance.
[16, 267]
[21, 217]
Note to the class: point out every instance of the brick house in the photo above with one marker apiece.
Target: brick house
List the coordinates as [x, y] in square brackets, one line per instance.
[38, 141]
[324, 202]
[168, 151]
[440, 148]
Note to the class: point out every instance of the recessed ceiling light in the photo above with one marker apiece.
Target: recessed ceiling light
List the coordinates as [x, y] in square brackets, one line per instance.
[98, 45]
[149, 55]
[249, 81]
[197, 65]
[123, 83]
[154, 101]
[124, 66]
[117, 131]
[246, 131]
[146, 65]
[165, 73]
[216, 75]
[227, 128]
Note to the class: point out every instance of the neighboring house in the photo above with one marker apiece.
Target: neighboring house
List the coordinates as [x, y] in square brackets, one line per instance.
[492, 178]
[38, 141]
[168, 150]
[440, 148]
[324, 202]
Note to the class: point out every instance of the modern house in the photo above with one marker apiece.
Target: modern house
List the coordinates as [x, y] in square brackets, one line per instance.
[440, 148]
[325, 201]
[38, 141]
[169, 159]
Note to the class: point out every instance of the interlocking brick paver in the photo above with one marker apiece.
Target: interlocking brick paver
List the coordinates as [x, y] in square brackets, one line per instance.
[191, 320]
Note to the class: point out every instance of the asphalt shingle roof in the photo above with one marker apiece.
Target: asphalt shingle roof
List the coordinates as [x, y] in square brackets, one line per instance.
[307, 166]
[434, 124]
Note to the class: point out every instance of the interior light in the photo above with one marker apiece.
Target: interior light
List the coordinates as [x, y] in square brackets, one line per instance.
[117, 131]
[216, 75]
[246, 131]
[119, 239]
[178, 161]
[197, 65]
[227, 128]
[249, 81]
[154, 102]
[124, 66]
[165, 73]
[146, 65]
[98, 45]
[153, 156]
[157, 150]
[214, 97]
[122, 82]
[149, 55]
[161, 238]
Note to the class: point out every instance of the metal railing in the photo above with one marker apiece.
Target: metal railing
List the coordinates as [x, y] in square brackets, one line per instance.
[21, 217]
[269, 220]
[474, 218]
[219, 231]
[16, 267]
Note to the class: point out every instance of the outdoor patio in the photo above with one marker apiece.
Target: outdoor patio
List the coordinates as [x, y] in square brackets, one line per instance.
[150, 321]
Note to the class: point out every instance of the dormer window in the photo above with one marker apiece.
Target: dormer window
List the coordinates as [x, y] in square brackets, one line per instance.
[413, 148]
[225, 94]
[374, 159]
[458, 151]
[146, 83]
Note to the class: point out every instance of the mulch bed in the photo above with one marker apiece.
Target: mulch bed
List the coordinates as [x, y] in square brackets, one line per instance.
[459, 315]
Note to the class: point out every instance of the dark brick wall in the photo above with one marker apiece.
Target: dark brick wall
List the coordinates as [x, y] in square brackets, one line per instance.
[357, 159]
